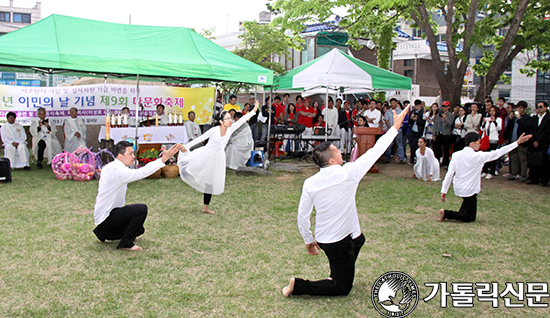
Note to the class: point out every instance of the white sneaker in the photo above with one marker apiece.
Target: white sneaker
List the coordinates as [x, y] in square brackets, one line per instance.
[489, 176]
[483, 175]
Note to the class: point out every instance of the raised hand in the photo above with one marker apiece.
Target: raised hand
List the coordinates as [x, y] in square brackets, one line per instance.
[167, 154]
[398, 119]
[524, 138]
[256, 106]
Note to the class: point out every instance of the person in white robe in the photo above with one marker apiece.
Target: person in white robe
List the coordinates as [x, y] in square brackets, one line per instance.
[14, 139]
[427, 166]
[163, 119]
[75, 131]
[193, 129]
[331, 118]
[44, 139]
[240, 146]
[131, 119]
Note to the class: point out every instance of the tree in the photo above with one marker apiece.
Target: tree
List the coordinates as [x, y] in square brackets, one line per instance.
[261, 42]
[524, 22]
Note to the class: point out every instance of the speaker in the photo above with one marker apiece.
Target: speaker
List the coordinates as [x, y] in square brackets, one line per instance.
[5, 170]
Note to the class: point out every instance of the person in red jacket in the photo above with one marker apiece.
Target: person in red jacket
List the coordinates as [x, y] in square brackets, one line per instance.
[279, 109]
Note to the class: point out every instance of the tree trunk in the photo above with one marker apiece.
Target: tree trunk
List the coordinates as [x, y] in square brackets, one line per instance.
[505, 55]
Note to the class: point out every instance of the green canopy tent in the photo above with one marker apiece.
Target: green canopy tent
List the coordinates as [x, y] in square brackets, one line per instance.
[67, 45]
[341, 72]
[338, 72]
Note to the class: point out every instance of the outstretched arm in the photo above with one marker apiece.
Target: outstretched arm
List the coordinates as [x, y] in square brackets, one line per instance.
[363, 164]
[244, 119]
[201, 138]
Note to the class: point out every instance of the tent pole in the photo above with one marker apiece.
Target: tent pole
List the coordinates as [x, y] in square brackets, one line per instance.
[137, 121]
[215, 100]
[326, 125]
[269, 123]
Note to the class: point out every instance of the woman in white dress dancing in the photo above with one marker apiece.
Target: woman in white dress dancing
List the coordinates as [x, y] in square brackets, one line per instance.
[427, 166]
[204, 168]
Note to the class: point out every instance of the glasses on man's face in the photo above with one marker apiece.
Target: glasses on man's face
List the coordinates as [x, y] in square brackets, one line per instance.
[540, 107]
[227, 118]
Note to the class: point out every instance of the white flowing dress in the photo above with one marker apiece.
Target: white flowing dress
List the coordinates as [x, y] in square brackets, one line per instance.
[426, 165]
[204, 168]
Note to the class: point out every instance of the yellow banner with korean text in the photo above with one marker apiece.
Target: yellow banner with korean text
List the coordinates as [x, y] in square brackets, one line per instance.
[95, 101]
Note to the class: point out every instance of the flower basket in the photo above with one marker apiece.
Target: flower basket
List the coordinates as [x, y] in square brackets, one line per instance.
[107, 155]
[83, 164]
[61, 165]
[170, 172]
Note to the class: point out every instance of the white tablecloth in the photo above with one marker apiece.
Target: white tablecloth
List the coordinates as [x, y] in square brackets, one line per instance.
[148, 135]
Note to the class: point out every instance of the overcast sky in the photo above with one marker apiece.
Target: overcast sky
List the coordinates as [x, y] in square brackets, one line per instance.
[199, 14]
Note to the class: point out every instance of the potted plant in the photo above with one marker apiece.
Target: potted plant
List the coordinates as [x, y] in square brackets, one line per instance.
[147, 156]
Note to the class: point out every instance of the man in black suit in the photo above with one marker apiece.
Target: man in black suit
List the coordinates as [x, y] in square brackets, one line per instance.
[416, 124]
[518, 123]
[345, 122]
[540, 129]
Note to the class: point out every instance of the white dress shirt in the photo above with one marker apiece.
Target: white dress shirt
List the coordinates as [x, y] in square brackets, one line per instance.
[112, 186]
[376, 114]
[331, 116]
[466, 166]
[332, 192]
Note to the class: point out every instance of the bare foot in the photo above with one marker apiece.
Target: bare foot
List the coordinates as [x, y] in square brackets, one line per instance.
[134, 248]
[206, 210]
[287, 291]
[442, 215]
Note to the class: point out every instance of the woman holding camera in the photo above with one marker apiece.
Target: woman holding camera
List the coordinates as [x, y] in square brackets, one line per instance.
[491, 126]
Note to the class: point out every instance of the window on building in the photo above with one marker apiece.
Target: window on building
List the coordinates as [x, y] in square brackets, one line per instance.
[543, 80]
[409, 62]
[441, 38]
[21, 18]
[417, 33]
[308, 54]
[409, 73]
[504, 93]
[5, 17]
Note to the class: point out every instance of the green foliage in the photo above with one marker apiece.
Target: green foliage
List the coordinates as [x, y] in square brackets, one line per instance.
[149, 154]
[375, 20]
[261, 42]
[207, 33]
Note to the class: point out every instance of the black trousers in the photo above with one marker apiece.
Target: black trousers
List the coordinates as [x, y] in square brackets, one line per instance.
[413, 144]
[124, 224]
[41, 148]
[442, 141]
[341, 256]
[467, 212]
[540, 174]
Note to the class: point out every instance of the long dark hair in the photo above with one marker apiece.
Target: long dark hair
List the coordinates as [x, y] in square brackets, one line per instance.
[288, 108]
[219, 117]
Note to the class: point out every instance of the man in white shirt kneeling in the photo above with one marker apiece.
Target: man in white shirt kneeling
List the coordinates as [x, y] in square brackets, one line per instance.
[114, 220]
[465, 173]
[337, 232]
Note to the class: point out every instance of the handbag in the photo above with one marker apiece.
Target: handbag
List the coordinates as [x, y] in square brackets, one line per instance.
[484, 143]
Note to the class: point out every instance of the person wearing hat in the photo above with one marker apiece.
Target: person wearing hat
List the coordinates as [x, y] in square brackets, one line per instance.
[443, 127]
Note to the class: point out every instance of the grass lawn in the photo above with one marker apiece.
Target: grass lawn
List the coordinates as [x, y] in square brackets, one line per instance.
[234, 263]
